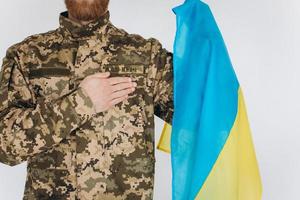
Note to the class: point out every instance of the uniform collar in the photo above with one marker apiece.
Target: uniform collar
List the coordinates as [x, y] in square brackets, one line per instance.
[76, 31]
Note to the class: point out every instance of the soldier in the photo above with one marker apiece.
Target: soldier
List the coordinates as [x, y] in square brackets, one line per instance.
[78, 103]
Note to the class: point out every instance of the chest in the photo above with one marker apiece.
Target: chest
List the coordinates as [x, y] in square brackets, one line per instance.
[55, 72]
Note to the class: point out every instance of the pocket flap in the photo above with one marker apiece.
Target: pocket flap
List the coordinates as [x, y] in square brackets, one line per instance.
[125, 68]
[48, 71]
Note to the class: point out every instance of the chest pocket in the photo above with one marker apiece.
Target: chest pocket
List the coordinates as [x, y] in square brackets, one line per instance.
[125, 122]
[50, 82]
[136, 72]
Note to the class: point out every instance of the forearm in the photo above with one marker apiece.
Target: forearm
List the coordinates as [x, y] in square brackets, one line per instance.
[163, 82]
[26, 131]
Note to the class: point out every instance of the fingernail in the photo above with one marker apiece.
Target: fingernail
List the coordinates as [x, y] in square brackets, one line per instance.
[129, 79]
[134, 84]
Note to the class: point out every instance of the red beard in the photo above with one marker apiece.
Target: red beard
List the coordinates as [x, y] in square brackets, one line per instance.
[86, 10]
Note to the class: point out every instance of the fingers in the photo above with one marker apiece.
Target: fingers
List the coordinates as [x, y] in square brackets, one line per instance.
[119, 79]
[122, 86]
[100, 75]
[118, 100]
[121, 93]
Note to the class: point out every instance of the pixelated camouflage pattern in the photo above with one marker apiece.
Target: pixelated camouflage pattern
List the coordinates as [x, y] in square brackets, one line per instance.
[47, 120]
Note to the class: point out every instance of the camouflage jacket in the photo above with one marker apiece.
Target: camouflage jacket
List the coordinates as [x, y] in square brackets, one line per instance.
[47, 120]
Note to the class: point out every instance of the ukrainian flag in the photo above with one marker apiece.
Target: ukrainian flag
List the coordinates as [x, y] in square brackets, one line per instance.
[212, 155]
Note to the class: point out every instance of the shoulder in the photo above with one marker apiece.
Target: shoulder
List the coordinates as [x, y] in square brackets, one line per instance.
[133, 47]
[31, 42]
[132, 39]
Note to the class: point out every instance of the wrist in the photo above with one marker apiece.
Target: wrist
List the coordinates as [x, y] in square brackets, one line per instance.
[82, 103]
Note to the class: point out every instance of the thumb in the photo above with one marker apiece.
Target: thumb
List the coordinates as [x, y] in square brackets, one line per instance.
[101, 75]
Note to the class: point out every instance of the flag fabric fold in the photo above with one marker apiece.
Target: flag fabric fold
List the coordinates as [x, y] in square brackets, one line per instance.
[210, 142]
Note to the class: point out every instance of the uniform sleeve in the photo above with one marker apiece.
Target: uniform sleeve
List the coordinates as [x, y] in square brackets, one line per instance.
[30, 125]
[163, 82]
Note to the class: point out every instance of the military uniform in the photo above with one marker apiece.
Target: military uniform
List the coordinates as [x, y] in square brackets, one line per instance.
[47, 120]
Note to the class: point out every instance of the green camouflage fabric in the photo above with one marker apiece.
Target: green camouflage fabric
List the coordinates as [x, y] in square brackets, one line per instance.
[49, 121]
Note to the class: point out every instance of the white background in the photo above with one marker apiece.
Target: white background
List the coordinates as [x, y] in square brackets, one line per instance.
[263, 39]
